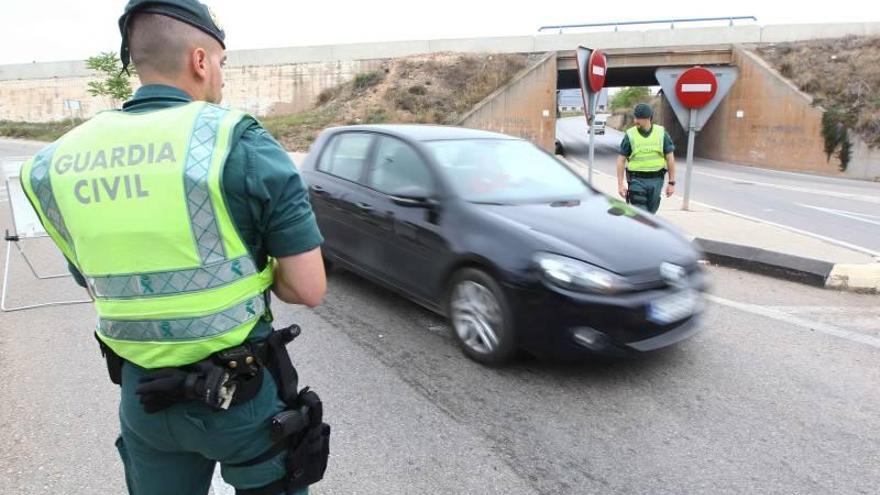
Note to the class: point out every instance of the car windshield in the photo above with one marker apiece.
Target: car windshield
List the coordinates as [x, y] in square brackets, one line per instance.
[505, 171]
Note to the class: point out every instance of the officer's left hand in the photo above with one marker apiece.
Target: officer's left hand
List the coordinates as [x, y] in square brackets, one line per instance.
[670, 190]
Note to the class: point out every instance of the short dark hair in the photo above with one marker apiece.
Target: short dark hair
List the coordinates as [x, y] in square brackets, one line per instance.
[161, 44]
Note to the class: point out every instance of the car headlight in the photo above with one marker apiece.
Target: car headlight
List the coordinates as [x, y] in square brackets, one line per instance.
[573, 274]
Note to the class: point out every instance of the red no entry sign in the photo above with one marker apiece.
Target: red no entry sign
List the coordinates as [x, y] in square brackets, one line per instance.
[696, 87]
[596, 69]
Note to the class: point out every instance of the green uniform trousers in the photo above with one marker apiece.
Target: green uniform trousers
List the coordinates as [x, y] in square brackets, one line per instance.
[174, 451]
[644, 192]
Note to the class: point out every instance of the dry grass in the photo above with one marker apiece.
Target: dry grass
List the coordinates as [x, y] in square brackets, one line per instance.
[842, 75]
[38, 131]
[428, 89]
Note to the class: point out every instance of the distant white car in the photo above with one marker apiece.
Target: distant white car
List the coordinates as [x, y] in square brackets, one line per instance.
[599, 124]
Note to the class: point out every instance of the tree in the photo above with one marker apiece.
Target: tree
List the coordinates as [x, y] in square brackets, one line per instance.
[628, 97]
[836, 124]
[116, 84]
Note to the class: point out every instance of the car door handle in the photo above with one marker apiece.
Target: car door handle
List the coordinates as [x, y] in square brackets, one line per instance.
[364, 207]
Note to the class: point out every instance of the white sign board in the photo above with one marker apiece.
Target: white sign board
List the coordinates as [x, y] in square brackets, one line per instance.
[25, 221]
[667, 76]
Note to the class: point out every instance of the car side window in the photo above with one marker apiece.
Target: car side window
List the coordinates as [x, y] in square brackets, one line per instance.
[346, 156]
[398, 169]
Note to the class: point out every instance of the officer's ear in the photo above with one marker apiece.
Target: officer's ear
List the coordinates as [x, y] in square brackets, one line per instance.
[199, 63]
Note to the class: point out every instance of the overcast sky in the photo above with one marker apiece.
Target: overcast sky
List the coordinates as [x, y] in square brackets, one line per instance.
[47, 30]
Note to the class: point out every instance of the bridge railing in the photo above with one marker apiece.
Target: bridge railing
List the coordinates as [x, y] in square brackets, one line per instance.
[671, 22]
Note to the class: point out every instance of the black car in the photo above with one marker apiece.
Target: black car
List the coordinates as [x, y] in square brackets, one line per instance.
[504, 239]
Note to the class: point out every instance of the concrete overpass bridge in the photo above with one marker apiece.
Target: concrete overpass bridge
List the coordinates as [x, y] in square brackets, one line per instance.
[636, 66]
[762, 115]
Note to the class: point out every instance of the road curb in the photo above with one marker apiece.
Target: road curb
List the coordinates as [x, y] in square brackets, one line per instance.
[858, 278]
[840, 276]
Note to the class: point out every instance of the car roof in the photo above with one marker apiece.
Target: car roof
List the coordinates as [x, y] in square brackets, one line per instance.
[418, 132]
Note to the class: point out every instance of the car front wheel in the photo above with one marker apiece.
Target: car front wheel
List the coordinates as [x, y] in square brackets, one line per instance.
[480, 317]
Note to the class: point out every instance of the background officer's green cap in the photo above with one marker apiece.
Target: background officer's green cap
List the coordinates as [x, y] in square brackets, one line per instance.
[643, 111]
[192, 12]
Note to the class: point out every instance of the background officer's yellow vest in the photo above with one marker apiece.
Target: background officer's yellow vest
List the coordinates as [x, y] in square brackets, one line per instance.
[647, 152]
[135, 202]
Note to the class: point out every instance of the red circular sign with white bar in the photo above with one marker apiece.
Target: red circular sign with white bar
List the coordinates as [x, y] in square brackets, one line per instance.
[596, 69]
[696, 87]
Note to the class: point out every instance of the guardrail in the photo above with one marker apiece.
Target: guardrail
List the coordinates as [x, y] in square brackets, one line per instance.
[671, 22]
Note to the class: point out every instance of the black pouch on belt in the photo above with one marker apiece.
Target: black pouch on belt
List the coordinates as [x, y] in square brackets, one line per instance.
[114, 362]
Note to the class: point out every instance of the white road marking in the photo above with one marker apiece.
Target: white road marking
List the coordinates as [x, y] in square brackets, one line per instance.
[860, 217]
[828, 309]
[821, 192]
[802, 323]
[830, 240]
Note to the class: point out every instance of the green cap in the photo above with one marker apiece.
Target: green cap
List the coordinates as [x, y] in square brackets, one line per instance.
[643, 111]
[192, 12]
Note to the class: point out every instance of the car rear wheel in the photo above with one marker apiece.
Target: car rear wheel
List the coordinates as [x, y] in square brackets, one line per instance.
[481, 319]
[559, 150]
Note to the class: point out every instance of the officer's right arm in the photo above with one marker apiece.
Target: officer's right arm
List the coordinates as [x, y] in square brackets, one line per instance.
[300, 279]
[289, 230]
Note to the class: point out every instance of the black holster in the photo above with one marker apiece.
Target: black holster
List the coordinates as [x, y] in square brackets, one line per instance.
[299, 430]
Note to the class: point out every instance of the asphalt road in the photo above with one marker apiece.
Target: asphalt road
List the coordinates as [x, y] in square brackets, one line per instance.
[842, 209]
[777, 394]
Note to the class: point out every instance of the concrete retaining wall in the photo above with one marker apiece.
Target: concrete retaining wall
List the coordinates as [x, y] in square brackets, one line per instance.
[524, 107]
[260, 90]
[765, 121]
[865, 162]
[768, 122]
[289, 88]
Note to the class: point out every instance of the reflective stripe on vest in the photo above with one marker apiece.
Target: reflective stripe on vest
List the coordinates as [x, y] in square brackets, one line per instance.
[135, 202]
[172, 282]
[198, 201]
[184, 328]
[42, 192]
[647, 152]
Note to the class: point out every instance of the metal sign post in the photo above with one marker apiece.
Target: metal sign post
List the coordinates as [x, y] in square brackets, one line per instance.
[592, 68]
[692, 132]
[594, 100]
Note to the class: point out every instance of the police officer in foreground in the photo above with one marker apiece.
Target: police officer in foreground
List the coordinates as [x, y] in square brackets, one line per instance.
[180, 216]
[647, 153]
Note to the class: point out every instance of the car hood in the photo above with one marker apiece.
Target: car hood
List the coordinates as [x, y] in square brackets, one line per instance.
[600, 230]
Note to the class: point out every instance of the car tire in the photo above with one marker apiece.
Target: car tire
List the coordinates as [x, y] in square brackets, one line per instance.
[480, 317]
[559, 150]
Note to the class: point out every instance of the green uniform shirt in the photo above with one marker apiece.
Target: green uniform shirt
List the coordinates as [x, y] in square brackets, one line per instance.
[265, 194]
[626, 148]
